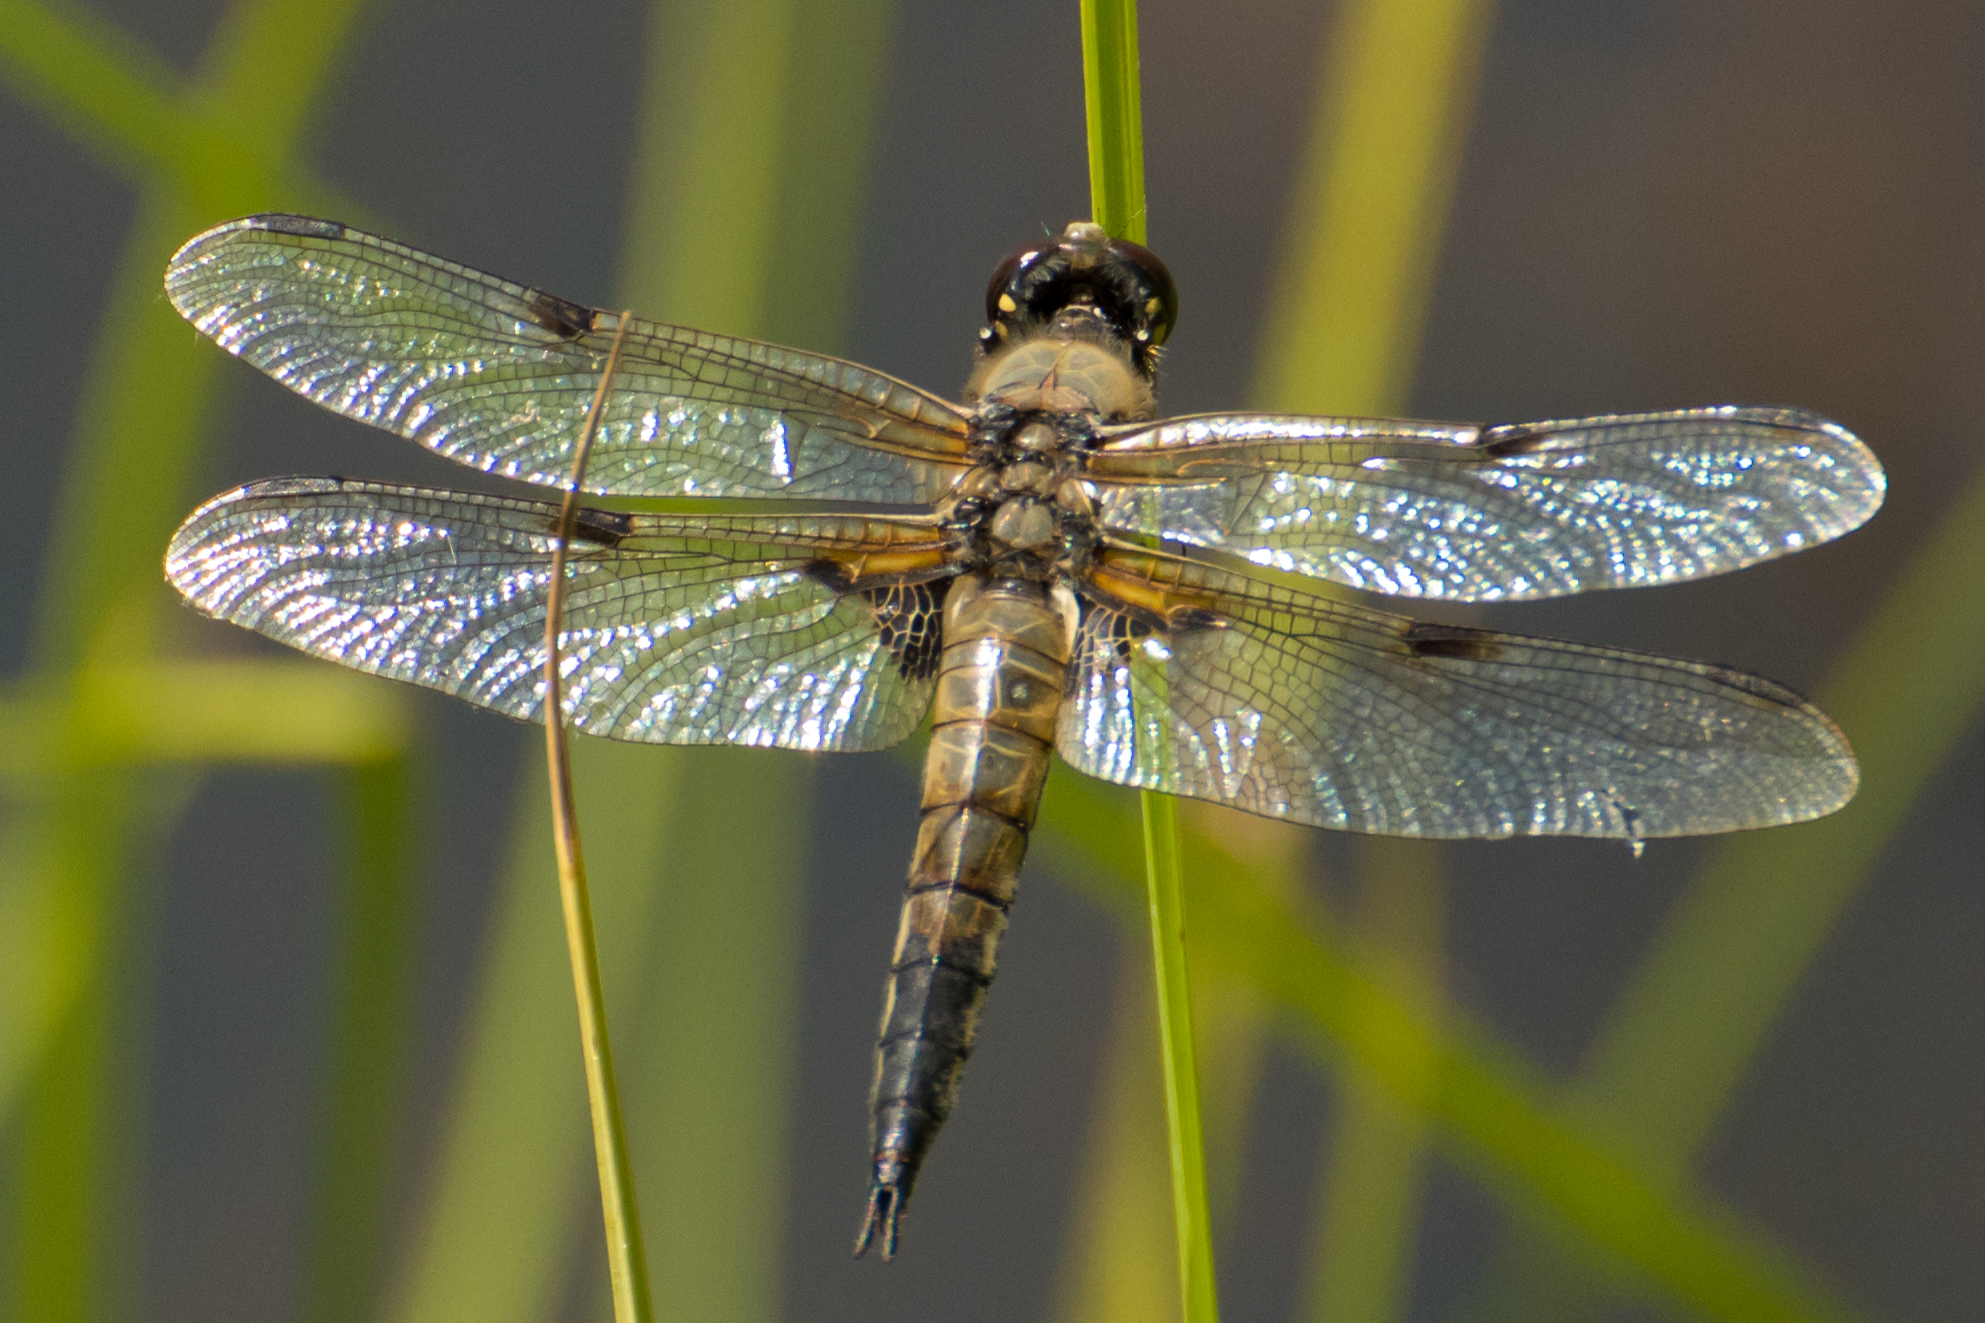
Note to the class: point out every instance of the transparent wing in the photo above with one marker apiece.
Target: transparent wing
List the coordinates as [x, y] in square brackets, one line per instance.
[1499, 513]
[499, 376]
[1197, 682]
[679, 630]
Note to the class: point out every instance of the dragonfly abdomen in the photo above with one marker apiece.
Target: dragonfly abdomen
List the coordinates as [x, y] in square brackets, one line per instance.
[998, 694]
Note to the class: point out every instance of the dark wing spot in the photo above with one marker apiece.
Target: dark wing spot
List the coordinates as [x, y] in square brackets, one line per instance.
[909, 617]
[604, 528]
[831, 574]
[1505, 442]
[1452, 641]
[1759, 687]
[1194, 617]
[562, 317]
[303, 225]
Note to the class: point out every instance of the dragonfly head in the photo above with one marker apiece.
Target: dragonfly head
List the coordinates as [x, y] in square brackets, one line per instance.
[1084, 285]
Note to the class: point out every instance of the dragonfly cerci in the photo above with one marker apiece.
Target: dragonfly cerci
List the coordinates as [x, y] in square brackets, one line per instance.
[1042, 566]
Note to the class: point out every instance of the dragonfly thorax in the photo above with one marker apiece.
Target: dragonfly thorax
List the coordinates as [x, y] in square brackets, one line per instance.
[1026, 517]
[1024, 508]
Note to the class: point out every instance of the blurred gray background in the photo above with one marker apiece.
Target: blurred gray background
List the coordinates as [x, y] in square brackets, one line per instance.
[1660, 204]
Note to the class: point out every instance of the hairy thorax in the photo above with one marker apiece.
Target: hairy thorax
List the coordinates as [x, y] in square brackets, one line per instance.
[1049, 374]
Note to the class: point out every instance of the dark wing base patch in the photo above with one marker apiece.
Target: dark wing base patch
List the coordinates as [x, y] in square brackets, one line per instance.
[909, 619]
[909, 614]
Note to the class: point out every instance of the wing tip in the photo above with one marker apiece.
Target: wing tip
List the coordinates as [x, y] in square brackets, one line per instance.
[186, 538]
[195, 251]
[1857, 481]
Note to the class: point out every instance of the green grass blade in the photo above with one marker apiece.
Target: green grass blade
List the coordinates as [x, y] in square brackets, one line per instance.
[833, 92]
[71, 1172]
[1361, 1258]
[704, 1033]
[1116, 187]
[743, 217]
[710, 1057]
[117, 99]
[104, 88]
[703, 200]
[626, 1251]
[1120, 1264]
[1370, 204]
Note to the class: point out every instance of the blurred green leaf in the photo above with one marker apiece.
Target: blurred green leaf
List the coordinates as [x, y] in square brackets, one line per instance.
[126, 484]
[104, 88]
[1370, 203]
[1342, 337]
[115, 97]
[511, 1184]
[1361, 1262]
[757, 119]
[1121, 1263]
[1497, 1110]
[1731, 953]
[371, 1000]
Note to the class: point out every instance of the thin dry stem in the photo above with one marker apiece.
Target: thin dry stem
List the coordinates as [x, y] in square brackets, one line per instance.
[625, 1259]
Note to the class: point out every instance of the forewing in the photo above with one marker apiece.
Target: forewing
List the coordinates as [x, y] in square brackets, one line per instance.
[678, 630]
[1498, 513]
[1197, 682]
[500, 376]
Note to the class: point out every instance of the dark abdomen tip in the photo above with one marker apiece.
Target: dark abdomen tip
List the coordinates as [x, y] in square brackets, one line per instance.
[885, 1207]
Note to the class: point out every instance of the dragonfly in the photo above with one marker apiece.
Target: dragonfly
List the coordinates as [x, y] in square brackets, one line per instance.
[1043, 566]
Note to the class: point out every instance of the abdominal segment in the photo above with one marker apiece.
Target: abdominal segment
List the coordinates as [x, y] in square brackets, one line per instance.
[999, 688]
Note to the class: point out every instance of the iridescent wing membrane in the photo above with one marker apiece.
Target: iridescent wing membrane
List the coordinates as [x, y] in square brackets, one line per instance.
[499, 376]
[1480, 514]
[1191, 674]
[1196, 681]
[678, 630]
[1193, 678]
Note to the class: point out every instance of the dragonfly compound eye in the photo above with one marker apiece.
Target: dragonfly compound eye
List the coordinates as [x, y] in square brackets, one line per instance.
[1124, 282]
[1148, 288]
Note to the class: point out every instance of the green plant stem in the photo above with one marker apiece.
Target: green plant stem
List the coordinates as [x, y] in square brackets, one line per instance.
[1116, 190]
[1186, 1140]
[626, 1256]
[1116, 116]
